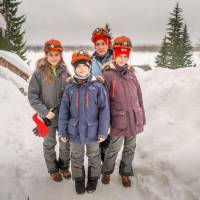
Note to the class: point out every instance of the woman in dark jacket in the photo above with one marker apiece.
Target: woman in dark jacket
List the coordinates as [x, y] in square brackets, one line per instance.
[103, 54]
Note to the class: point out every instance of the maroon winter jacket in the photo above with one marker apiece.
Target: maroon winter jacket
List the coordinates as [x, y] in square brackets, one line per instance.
[126, 103]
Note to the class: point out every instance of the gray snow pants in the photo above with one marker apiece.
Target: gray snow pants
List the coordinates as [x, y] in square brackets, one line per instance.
[77, 161]
[49, 143]
[125, 168]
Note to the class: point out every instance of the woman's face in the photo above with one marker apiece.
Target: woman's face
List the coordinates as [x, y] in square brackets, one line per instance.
[82, 70]
[54, 57]
[101, 47]
[121, 60]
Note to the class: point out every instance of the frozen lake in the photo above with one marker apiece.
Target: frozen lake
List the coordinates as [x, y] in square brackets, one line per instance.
[137, 58]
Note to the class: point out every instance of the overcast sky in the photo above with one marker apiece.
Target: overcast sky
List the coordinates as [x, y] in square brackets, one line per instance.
[72, 21]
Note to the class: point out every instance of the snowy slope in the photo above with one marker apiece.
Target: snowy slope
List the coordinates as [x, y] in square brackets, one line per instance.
[16, 144]
[167, 159]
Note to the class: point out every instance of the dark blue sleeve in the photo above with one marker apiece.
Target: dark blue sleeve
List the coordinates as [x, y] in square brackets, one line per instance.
[64, 114]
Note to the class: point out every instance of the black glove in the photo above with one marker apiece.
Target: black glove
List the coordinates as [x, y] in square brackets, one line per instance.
[35, 132]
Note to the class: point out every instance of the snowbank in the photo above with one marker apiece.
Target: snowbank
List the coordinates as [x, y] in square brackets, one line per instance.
[17, 145]
[15, 79]
[167, 159]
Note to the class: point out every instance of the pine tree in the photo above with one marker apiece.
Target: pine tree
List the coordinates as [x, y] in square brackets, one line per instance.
[176, 50]
[162, 57]
[13, 39]
[187, 49]
[175, 38]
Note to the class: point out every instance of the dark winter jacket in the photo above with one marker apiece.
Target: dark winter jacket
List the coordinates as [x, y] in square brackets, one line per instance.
[84, 112]
[98, 61]
[43, 96]
[126, 104]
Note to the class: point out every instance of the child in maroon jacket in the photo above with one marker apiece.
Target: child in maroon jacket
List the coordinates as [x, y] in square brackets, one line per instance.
[127, 111]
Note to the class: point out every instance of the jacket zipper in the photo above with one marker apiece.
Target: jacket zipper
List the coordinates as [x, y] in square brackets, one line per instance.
[77, 100]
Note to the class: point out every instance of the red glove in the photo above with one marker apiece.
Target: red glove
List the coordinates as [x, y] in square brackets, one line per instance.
[41, 126]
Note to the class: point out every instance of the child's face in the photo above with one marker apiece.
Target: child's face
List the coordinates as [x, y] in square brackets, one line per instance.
[121, 60]
[82, 70]
[54, 57]
[101, 47]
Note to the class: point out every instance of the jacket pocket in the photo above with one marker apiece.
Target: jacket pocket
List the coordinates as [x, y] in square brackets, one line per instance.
[73, 128]
[138, 116]
[92, 129]
[119, 120]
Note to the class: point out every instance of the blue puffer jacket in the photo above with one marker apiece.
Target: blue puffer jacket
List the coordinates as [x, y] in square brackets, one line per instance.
[97, 62]
[84, 112]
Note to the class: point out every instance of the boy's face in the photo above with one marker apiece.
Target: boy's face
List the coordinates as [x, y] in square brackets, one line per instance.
[53, 57]
[82, 70]
[101, 47]
[121, 60]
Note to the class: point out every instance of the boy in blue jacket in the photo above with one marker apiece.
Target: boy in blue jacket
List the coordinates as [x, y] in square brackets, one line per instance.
[84, 120]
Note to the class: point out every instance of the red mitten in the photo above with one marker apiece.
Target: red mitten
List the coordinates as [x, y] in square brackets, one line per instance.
[41, 126]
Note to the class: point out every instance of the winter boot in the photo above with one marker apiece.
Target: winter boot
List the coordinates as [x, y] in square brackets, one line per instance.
[105, 179]
[66, 173]
[126, 182]
[80, 186]
[56, 176]
[91, 185]
[63, 169]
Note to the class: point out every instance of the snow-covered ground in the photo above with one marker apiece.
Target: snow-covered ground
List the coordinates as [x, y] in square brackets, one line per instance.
[167, 159]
